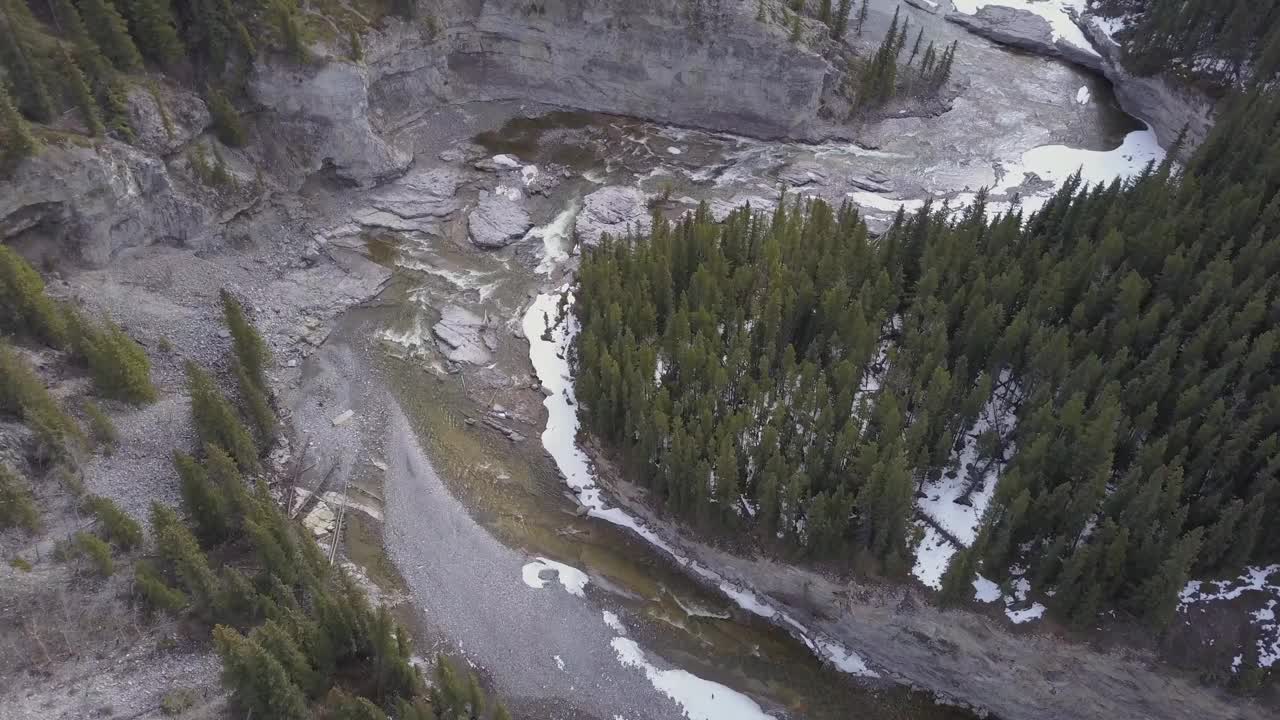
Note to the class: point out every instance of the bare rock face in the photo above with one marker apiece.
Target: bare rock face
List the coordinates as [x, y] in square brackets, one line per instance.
[1024, 29]
[166, 120]
[96, 201]
[1164, 103]
[322, 114]
[497, 221]
[709, 64]
[464, 336]
[416, 202]
[616, 210]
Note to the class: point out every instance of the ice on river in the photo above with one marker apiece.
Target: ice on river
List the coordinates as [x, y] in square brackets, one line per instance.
[573, 579]
[701, 699]
[1057, 12]
[550, 338]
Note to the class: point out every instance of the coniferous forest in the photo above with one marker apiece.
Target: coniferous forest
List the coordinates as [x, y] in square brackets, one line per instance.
[788, 373]
[1224, 42]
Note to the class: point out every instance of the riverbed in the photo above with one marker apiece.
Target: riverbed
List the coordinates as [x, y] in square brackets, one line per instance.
[569, 606]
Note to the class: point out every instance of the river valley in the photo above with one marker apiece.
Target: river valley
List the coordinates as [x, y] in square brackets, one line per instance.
[570, 615]
[409, 256]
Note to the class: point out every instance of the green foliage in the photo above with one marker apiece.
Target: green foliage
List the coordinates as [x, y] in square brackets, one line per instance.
[154, 590]
[205, 504]
[250, 349]
[178, 701]
[117, 526]
[19, 563]
[98, 553]
[259, 683]
[120, 367]
[23, 395]
[216, 421]
[356, 48]
[25, 309]
[17, 507]
[823, 376]
[286, 17]
[341, 705]
[226, 119]
[108, 29]
[15, 134]
[182, 559]
[101, 428]
[154, 30]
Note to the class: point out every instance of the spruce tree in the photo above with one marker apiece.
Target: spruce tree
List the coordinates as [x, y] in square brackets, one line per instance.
[842, 19]
[154, 30]
[216, 421]
[19, 143]
[17, 507]
[259, 683]
[108, 29]
[81, 95]
[226, 119]
[862, 18]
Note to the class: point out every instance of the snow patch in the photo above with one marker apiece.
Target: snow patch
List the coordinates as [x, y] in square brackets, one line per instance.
[550, 339]
[573, 579]
[1253, 580]
[932, 556]
[1057, 12]
[984, 590]
[615, 624]
[884, 204]
[701, 699]
[1083, 96]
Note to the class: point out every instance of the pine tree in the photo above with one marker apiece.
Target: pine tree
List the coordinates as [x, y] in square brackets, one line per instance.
[96, 551]
[842, 19]
[824, 12]
[108, 29]
[250, 349]
[82, 95]
[258, 682]
[206, 504]
[155, 31]
[157, 594]
[19, 143]
[862, 18]
[216, 422]
[116, 525]
[226, 119]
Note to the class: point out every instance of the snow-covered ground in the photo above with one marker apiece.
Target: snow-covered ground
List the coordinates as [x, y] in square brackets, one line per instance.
[550, 338]
[1015, 603]
[701, 699]
[573, 579]
[1056, 163]
[1264, 580]
[1057, 12]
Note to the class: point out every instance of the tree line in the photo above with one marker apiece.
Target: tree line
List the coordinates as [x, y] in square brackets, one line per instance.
[86, 55]
[1228, 43]
[790, 374]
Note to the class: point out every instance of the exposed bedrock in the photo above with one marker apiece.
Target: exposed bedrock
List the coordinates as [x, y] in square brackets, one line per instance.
[1025, 30]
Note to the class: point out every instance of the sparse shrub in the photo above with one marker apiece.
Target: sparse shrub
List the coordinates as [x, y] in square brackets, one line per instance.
[178, 701]
[98, 553]
[164, 346]
[17, 562]
[23, 395]
[101, 427]
[17, 508]
[117, 526]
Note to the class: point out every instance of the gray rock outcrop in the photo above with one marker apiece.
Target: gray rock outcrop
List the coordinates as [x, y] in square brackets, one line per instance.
[1166, 104]
[167, 119]
[1026, 30]
[91, 202]
[319, 119]
[616, 210]
[497, 221]
[710, 65]
[464, 336]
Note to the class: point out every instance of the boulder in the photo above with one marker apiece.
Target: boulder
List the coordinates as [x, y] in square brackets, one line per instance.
[463, 336]
[1027, 30]
[165, 119]
[497, 221]
[617, 210]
